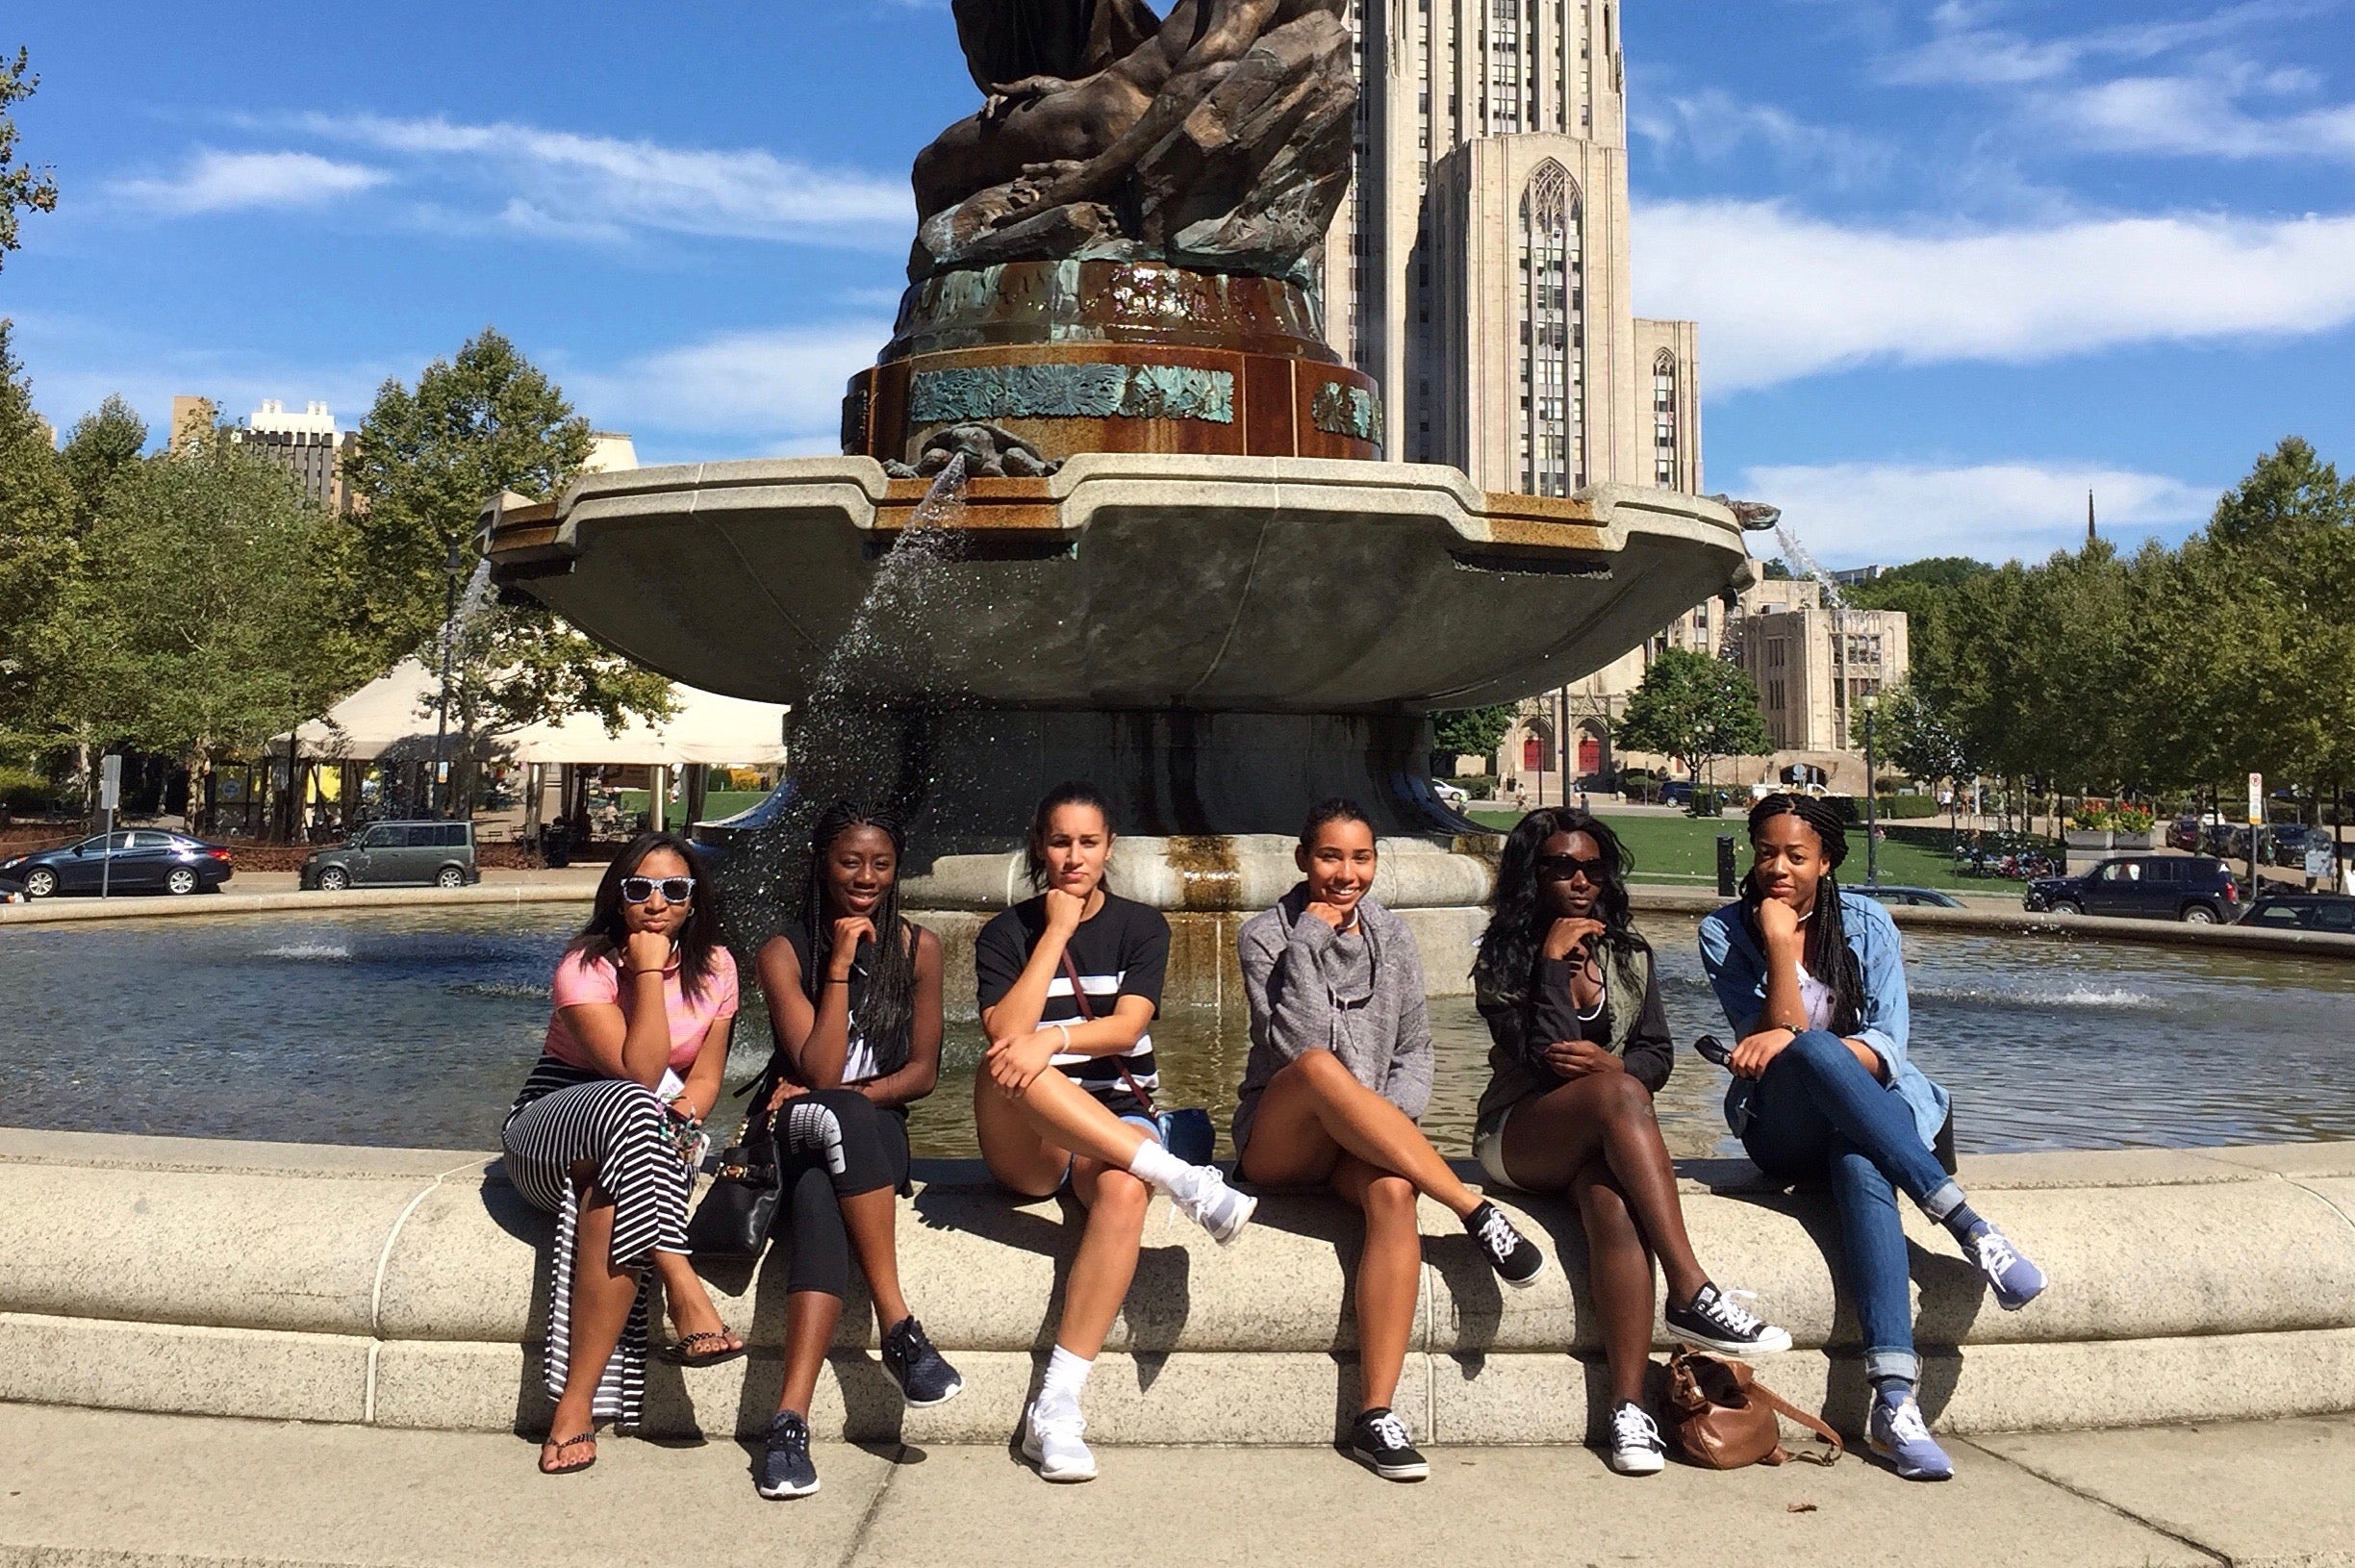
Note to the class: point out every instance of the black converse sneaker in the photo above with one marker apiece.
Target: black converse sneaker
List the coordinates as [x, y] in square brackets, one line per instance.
[924, 1374]
[1515, 1259]
[1714, 1321]
[785, 1468]
[1635, 1446]
[1379, 1441]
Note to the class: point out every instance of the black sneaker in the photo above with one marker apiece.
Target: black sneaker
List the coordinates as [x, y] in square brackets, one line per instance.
[785, 1469]
[1515, 1259]
[1714, 1322]
[1379, 1441]
[924, 1374]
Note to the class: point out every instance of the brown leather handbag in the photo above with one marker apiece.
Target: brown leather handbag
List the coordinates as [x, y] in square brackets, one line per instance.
[1722, 1417]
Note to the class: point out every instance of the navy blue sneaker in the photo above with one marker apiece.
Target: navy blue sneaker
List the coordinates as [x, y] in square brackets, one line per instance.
[924, 1374]
[785, 1469]
[1898, 1433]
[2014, 1280]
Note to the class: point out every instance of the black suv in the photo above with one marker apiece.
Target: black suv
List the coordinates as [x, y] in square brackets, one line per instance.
[2195, 888]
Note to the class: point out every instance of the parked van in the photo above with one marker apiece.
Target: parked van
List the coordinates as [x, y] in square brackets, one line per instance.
[390, 854]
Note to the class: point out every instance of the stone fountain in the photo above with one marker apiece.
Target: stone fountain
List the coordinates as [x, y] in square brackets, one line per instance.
[1110, 506]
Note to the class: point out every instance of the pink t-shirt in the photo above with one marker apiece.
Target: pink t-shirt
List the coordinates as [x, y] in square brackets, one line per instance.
[580, 979]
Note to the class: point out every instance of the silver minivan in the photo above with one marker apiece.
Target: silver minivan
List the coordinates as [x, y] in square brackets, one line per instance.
[385, 854]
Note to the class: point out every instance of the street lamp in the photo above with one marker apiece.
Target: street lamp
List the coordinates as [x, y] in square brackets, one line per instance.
[449, 639]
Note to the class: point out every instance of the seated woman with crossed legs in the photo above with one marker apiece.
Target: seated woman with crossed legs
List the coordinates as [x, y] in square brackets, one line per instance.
[1340, 1067]
[1572, 999]
[1069, 981]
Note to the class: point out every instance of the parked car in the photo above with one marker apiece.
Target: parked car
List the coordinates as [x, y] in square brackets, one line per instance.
[2286, 843]
[1451, 796]
[1676, 792]
[2303, 912]
[385, 854]
[2184, 833]
[1913, 897]
[2195, 888]
[131, 860]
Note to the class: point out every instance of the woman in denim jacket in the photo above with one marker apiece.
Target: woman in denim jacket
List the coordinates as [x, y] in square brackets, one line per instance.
[1812, 980]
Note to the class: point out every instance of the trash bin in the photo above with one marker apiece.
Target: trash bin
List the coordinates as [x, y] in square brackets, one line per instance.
[556, 845]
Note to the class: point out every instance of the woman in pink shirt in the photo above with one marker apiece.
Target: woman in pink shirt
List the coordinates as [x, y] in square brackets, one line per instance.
[608, 1130]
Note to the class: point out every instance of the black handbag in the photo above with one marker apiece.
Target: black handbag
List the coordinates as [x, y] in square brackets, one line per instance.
[734, 1218]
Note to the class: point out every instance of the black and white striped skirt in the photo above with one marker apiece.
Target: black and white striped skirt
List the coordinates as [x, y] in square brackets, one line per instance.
[618, 1127]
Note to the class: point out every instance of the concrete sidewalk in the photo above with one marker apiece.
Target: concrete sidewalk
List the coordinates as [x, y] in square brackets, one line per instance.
[88, 1488]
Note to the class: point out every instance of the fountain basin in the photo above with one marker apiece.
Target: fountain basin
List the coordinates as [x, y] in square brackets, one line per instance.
[1137, 581]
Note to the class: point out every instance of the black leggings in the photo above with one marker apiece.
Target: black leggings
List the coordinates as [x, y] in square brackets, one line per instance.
[875, 1146]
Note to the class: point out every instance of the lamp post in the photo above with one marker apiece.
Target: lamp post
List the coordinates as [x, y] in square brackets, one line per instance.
[1872, 803]
[449, 640]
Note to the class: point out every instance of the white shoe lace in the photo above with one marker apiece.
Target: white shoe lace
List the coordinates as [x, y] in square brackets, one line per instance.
[1906, 1423]
[1631, 1428]
[1996, 1253]
[1390, 1431]
[1731, 1314]
[1498, 1235]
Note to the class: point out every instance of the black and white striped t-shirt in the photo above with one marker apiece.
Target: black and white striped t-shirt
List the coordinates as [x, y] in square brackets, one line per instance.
[1122, 950]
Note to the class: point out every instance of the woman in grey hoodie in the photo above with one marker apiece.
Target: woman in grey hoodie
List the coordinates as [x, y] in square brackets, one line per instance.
[1340, 1067]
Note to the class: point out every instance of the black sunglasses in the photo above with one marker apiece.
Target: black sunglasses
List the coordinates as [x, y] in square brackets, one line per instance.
[1563, 868]
[675, 890]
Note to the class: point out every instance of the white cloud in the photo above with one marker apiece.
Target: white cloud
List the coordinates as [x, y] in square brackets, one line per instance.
[2202, 117]
[775, 391]
[222, 182]
[1712, 125]
[577, 186]
[1964, 50]
[1855, 514]
[1782, 295]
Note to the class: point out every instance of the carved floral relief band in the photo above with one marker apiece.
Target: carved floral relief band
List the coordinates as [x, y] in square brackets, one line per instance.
[1070, 392]
[1346, 411]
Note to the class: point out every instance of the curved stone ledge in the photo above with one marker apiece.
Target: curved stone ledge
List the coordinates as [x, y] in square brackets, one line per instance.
[399, 1287]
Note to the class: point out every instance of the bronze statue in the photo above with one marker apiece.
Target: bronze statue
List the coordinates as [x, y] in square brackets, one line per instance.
[1216, 138]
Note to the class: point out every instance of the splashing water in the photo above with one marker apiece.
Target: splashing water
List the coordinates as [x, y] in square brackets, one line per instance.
[860, 735]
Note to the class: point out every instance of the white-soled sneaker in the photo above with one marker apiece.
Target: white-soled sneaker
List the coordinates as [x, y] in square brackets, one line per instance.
[1635, 1445]
[1716, 1320]
[1515, 1259]
[1214, 1205]
[1054, 1444]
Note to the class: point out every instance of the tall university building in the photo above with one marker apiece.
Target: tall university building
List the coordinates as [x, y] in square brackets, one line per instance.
[1478, 270]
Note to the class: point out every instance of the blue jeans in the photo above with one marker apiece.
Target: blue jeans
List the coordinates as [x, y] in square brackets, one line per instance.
[1817, 1109]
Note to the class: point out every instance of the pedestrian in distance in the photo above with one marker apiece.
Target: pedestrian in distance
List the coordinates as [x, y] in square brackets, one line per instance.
[854, 1006]
[607, 1133]
[1070, 984]
[1340, 1068]
[1811, 979]
[1581, 1046]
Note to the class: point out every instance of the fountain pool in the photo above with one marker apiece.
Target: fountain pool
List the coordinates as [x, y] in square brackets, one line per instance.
[414, 1029]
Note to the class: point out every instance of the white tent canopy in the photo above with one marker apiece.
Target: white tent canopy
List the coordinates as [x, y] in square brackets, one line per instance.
[391, 717]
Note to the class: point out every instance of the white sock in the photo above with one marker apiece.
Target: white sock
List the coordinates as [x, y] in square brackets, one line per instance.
[1066, 1378]
[1157, 1167]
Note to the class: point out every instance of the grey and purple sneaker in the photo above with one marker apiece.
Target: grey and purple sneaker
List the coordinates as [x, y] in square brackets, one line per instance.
[1897, 1433]
[2014, 1280]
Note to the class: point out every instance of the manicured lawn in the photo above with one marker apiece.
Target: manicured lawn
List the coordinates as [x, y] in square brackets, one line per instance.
[1684, 849]
[717, 804]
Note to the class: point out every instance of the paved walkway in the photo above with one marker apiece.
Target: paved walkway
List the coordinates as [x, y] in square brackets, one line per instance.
[87, 1488]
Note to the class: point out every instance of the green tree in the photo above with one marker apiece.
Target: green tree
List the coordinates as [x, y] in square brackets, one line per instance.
[1908, 734]
[1472, 732]
[100, 444]
[212, 603]
[38, 559]
[1695, 709]
[21, 185]
[426, 460]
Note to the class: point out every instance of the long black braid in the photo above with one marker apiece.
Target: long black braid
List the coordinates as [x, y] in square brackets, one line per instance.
[1828, 955]
[887, 1003]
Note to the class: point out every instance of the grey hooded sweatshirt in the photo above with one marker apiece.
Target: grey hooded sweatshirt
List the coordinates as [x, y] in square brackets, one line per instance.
[1357, 994]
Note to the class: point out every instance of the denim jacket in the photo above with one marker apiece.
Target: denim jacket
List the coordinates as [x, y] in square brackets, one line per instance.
[1737, 973]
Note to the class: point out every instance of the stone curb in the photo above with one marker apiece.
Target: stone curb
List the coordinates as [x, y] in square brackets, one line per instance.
[400, 1287]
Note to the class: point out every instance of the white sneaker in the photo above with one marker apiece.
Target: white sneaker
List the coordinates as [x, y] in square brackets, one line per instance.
[1053, 1445]
[1635, 1446]
[1214, 1205]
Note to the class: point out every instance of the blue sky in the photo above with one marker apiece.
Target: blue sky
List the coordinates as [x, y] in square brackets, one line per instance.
[1954, 263]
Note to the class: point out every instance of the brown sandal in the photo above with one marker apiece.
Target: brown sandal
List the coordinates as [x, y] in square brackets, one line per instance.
[562, 1444]
[708, 1348]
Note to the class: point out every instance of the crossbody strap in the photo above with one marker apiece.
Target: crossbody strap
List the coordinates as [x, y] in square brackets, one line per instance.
[1087, 1015]
[1782, 1406]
